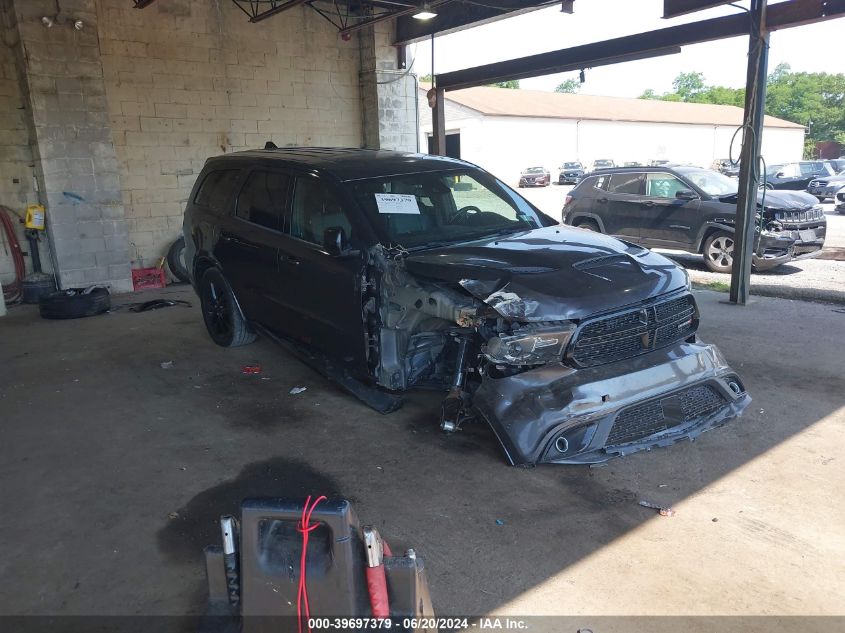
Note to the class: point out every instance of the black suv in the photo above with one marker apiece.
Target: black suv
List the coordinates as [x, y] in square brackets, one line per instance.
[797, 176]
[387, 271]
[570, 173]
[694, 209]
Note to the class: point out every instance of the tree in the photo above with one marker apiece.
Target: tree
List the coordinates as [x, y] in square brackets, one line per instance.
[816, 100]
[513, 84]
[688, 85]
[427, 78]
[570, 86]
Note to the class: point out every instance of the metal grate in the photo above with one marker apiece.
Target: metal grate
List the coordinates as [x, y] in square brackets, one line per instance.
[634, 332]
[642, 420]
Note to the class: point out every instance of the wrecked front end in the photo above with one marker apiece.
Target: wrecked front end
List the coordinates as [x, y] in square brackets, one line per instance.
[570, 357]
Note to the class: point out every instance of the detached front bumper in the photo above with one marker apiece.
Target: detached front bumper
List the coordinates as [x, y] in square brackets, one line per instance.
[557, 414]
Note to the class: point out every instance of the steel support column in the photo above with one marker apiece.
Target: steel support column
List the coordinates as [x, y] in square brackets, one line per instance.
[438, 121]
[755, 102]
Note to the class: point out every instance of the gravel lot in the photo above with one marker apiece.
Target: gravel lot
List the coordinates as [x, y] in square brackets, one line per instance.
[817, 279]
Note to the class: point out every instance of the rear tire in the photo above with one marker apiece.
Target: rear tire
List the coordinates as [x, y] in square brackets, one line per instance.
[589, 225]
[223, 319]
[718, 252]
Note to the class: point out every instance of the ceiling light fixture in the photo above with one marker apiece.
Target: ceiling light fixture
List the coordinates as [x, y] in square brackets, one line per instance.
[425, 12]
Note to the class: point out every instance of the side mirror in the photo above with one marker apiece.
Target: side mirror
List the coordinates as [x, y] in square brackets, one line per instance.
[780, 174]
[334, 240]
[686, 194]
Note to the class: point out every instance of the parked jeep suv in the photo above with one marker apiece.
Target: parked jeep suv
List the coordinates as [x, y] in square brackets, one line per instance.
[388, 271]
[694, 209]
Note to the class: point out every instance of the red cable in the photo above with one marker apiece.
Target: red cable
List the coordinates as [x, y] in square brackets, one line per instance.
[305, 527]
[12, 292]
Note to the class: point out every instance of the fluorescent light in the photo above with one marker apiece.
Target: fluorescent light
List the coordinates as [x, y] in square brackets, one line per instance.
[425, 13]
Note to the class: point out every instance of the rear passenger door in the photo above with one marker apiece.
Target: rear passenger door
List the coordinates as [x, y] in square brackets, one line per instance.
[622, 199]
[667, 221]
[249, 241]
[322, 291]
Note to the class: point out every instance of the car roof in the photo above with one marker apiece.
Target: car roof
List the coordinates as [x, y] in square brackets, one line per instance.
[344, 163]
[638, 168]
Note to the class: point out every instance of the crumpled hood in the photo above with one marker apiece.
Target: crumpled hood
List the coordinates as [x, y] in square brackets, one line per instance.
[551, 274]
[781, 199]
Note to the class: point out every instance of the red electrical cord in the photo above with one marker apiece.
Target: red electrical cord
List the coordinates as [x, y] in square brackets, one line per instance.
[305, 527]
[12, 292]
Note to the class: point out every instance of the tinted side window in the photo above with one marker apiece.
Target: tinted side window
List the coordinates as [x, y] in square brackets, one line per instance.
[662, 185]
[262, 199]
[808, 169]
[601, 182]
[626, 182]
[315, 209]
[216, 188]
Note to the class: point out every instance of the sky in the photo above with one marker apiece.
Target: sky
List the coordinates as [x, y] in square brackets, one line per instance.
[810, 48]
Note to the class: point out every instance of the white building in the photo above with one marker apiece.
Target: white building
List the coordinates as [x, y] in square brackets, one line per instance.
[506, 131]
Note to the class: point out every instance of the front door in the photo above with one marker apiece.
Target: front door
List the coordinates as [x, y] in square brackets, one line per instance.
[667, 221]
[322, 289]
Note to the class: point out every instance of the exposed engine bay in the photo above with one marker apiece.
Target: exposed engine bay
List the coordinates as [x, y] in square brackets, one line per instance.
[483, 340]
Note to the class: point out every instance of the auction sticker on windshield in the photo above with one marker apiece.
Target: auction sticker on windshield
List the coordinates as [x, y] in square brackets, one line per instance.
[397, 203]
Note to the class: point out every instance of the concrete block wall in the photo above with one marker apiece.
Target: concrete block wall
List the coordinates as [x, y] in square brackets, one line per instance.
[122, 114]
[17, 181]
[388, 93]
[188, 79]
[75, 162]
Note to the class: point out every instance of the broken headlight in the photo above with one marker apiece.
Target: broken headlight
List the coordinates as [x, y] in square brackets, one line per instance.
[530, 345]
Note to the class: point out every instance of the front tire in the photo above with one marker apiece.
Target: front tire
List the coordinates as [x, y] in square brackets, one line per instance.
[719, 252]
[223, 319]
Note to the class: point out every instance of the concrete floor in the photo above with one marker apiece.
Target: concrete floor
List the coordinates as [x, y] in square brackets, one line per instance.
[114, 470]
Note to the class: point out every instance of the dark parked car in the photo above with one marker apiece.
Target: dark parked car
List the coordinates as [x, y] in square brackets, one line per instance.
[824, 188]
[694, 209]
[388, 271]
[840, 201]
[570, 173]
[535, 177]
[602, 163]
[797, 176]
[726, 167]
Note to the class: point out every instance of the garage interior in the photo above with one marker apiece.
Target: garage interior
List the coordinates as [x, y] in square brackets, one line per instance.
[117, 465]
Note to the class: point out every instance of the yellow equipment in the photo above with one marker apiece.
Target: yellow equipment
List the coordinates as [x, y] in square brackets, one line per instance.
[35, 217]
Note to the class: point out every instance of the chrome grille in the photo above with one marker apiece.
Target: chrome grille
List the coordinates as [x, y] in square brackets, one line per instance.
[816, 213]
[634, 332]
[642, 420]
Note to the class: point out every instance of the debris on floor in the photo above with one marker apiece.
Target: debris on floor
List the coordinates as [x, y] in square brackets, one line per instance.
[168, 364]
[297, 390]
[156, 304]
[664, 512]
[251, 369]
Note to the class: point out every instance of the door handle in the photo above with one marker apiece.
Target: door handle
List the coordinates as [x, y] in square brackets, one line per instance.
[648, 203]
[289, 259]
[602, 200]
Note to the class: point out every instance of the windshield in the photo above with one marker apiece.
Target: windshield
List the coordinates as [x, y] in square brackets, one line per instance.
[437, 208]
[572, 165]
[534, 170]
[710, 182]
[603, 163]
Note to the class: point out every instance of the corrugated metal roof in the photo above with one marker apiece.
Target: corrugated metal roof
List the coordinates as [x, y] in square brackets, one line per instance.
[552, 105]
